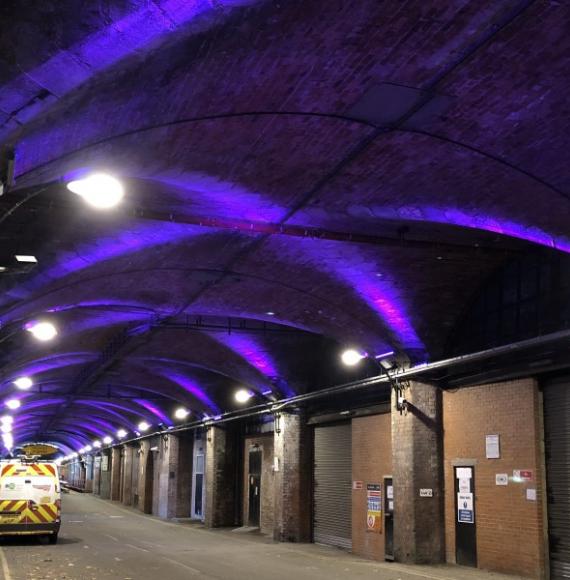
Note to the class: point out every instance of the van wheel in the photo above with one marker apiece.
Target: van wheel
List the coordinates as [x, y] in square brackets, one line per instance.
[52, 539]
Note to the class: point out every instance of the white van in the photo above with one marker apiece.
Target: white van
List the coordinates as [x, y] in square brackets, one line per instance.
[30, 498]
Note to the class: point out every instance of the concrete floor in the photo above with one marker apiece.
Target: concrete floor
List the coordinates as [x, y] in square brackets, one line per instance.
[100, 539]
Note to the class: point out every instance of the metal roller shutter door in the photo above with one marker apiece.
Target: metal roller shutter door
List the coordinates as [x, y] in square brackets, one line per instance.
[332, 485]
[557, 447]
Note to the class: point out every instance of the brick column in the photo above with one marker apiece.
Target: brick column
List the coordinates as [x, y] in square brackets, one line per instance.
[292, 480]
[221, 454]
[116, 474]
[417, 448]
[105, 477]
[127, 475]
[146, 472]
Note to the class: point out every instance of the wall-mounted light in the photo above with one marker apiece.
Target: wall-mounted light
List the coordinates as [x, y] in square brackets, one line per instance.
[121, 433]
[181, 413]
[243, 395]
[24, 383]
[99, 190]
[107, 440]
[42, 330]
[352, 357]
[143, 426]
[13, 404]
[97, 444]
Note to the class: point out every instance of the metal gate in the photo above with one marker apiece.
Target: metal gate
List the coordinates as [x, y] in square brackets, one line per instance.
[332, 516]
[557, 447]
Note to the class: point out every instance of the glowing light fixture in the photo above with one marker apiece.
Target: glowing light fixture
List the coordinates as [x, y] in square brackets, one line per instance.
[8, 440]
[24, 383]
[107, 440]
[243, 395]
[28, 259]
[6, 428]
[43, 331]
[13, 404]
[6, 419]
[181, 413]
[143, 426]
[88, 448]
[97, 443]
[121, 433]
[99, 190]
[352, 357]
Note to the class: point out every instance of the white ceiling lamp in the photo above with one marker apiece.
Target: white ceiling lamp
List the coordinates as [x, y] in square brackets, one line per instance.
[6, 419]
[143, 426]
[181, 413]
[352, 357]
[99, 190]
[43, 331]
[107, 440]
[97, 443]
[24, 383]
[243, 395]
[121, 433]
[13, 404]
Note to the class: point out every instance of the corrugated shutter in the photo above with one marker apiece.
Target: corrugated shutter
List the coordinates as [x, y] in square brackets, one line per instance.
[557, 447]
[332, 485]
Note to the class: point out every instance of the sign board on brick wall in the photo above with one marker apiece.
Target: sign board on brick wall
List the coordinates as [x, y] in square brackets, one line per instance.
[374, 507]
[465, 508]
[105, 463]
[357, 485]
[426, 492]
[522, 475]
[492, 450]
[502, 479]
[464, 473]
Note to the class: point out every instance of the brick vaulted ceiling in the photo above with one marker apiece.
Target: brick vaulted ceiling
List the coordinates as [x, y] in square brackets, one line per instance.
[324, 173]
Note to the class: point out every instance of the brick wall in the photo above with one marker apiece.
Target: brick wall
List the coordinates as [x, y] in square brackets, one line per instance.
[371, 462]
[509, 527]
[265, 442]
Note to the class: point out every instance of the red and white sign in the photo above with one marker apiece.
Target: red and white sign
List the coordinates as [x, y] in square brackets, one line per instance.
[357, 485]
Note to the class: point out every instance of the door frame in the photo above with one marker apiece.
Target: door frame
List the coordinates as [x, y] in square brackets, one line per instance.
[198, 443]
[473, 490]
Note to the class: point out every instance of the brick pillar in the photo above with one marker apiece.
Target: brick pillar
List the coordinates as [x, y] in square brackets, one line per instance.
[97, 475]
[184, 475]
[127, 475]
[116, 474]
[417, 454]
[105, 478]
[292, 480]
[221, 457]
[146, 472]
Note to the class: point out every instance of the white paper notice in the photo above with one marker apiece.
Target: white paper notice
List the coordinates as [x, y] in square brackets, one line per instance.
[464, 473]
[464, 485]
[492, 447]
[531, 494]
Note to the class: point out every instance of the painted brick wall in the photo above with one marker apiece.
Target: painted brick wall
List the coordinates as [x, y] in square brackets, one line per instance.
[267, 481]
[371, 462]
[509, 527]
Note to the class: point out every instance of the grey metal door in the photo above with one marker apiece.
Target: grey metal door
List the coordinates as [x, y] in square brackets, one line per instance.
[332, 516]
[557, 447]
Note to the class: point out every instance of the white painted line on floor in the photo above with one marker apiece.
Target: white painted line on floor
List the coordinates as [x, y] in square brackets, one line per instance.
[112, 537]
[75, 521]
[189, 568]
[137, 548]
[116, 516]
[5, 568]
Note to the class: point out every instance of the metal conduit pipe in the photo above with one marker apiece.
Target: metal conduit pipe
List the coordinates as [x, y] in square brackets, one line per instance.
[276, 406]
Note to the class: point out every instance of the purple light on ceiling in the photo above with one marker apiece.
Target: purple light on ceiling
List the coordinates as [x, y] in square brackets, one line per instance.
[136, 238]
[51, 362]
[252, 351]
[220, 198]
[476, 219]
[108, 408]
[155, 411]
[191, 387]
[71, 67]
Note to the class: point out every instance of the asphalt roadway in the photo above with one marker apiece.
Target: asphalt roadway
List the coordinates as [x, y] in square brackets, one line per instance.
[100, 539]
